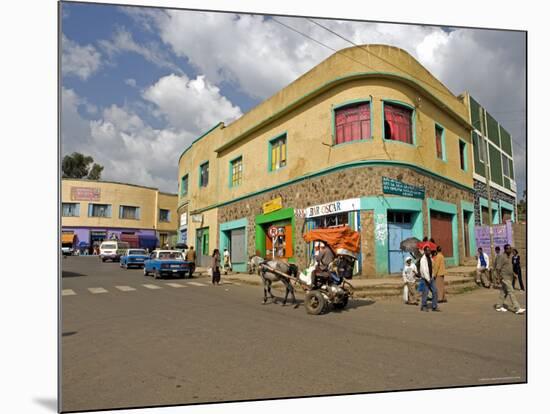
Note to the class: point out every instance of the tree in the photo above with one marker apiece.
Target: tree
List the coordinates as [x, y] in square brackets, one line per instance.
[77, 165]
[522, 205]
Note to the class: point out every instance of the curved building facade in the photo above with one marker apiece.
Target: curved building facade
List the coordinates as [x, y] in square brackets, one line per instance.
[368, 138]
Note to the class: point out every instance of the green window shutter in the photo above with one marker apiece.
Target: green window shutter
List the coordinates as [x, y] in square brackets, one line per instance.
[496, 165]
[511, 169]
[479, 166]
[493, 130]
[505, 141]
[474, 112]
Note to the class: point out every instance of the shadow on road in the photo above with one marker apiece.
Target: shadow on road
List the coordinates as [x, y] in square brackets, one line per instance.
[49, 403]
[65, 273]
[354, 304]
[69, 333]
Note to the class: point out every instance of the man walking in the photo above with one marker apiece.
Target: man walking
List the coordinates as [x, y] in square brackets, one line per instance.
[495, 277]
[426, 273]
[409, 282]
[482, 271]
[191, 257]
[505, 271]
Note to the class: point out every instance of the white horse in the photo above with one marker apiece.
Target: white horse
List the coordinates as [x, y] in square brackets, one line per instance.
[270, 277]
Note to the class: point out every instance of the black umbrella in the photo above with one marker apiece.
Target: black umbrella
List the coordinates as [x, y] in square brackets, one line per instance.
[181, 246]
[410, 245]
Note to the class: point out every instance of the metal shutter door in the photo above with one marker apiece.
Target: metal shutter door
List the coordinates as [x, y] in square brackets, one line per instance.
[238, 250]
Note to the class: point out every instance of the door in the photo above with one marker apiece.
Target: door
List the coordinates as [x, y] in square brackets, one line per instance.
[203, 248]
[465, 221]
[237, 248]
[441, 225]
[506, 215]
[399, 229]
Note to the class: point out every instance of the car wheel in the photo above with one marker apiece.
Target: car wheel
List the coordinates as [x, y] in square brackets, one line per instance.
[103, 259]
[157, 274]
[145, 272]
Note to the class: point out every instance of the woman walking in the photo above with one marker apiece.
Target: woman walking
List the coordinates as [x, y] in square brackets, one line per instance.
[216, 267]
[439, 274]
[517, 270]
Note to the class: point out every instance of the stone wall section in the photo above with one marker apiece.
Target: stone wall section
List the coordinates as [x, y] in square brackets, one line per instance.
[363, 181]
[496, 195]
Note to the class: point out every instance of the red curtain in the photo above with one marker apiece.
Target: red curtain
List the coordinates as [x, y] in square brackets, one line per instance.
[438, 146]
[352, 123]
[399, 120]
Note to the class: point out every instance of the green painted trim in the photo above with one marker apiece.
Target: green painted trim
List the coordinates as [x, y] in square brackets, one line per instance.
[381, 205]
[199, 138]
[333, 82]
[469, 208]
[447, 208]
[279, 215]
[484, 203]
[224, 239]
[200, 166]
[343, 105]
[413, 116]
[269, 147]
[443, 143]
[507, 206]
[354, 164]
[464, 153]
[230, 184]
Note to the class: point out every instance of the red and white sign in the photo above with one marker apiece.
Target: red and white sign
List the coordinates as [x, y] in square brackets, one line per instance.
[272, 231]
[85, 194]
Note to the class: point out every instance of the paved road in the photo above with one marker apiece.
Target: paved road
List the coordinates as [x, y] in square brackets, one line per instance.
[130, 340]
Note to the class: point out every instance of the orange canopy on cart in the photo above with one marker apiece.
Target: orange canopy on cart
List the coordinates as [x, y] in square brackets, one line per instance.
[338, 238]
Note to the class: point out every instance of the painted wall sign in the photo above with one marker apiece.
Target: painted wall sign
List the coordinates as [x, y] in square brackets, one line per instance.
[380, 229]
[85, 194]
[273, 205]
[196, 218]
[335, 207]
[502, 234]
[391, 186]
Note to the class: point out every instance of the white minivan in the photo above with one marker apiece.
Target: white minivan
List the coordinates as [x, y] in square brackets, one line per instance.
[112, 250]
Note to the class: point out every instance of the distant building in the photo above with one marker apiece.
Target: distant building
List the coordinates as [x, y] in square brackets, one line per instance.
[92, 211]
[490, 138]
[368, 138]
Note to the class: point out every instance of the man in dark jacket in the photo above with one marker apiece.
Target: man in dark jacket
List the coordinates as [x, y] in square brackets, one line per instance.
[324, 259]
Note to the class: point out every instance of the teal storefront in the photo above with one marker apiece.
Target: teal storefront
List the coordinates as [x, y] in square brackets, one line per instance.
[234, 238]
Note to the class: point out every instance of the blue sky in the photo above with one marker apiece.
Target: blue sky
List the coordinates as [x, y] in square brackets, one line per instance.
[140, 84]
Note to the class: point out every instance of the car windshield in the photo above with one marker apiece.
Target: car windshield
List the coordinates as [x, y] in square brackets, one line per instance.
[108, 246]
[170, 255]
[137, 252]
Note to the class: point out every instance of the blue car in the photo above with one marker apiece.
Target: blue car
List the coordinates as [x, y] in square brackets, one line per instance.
[167, 263]
[133, 257]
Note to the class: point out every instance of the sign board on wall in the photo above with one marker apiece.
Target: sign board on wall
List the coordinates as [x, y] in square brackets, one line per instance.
[391, 186]
[85, 194]
[335, 207]
[183, 220]
[502, 234]
[196, 218]
[273, 205]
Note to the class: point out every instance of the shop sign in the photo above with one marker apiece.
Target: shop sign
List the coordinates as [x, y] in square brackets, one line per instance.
[351, 204]
[272, 231]
[502, 234]
[85, 194]
[391, 186]
[273, 205]
[196, 218]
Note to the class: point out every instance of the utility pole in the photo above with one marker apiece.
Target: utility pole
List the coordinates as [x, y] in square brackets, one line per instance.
[483, 128]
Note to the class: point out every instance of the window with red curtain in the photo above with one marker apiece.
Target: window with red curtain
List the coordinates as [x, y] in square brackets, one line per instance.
[352, 123]
[438, 141]
[398, 123]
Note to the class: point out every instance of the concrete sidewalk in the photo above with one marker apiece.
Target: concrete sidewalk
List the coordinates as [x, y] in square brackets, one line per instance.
[459, 279]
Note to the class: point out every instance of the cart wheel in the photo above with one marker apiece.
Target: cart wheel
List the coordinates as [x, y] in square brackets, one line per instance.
[343, 304]
[315, 302]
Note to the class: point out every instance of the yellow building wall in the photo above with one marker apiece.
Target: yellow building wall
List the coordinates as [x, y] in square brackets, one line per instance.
[117, 194]
[210, 220]
[168, 202]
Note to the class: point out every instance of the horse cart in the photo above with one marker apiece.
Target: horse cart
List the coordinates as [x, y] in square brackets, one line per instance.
[321, 290]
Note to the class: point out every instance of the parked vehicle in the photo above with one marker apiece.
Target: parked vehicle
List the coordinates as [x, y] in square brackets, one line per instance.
[67, 249]
[133, 257]
[167, 263]
[112, 250]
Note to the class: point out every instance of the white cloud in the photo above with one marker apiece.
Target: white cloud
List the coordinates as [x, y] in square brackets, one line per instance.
[193, 105]
[77, 60]
[130, 82]
[123, 42]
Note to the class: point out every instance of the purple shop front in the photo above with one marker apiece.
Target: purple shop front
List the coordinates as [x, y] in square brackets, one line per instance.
[502, 234]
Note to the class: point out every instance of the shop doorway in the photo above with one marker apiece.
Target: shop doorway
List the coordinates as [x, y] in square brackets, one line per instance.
[203, 247]
[466, 215]
[399, 228]
[441, 225]
[283, 241]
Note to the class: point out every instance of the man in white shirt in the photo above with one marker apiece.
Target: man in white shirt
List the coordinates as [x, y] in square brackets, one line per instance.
[426, 273]
[409, 282]
[482, 271]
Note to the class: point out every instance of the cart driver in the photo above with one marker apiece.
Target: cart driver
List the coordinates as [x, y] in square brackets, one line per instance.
[324, 259]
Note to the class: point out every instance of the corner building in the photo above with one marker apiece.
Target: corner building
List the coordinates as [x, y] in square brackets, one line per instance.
[371, 140]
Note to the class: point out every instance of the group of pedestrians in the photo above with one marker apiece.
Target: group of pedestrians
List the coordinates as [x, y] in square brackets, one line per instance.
[429, 271]
[502, 275]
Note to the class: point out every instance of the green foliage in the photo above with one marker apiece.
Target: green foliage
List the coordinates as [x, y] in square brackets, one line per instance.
[77, 165]
[522, 205]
